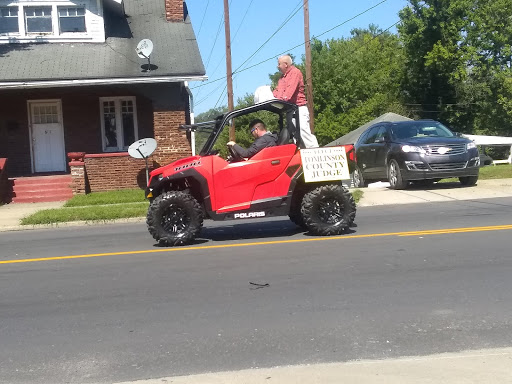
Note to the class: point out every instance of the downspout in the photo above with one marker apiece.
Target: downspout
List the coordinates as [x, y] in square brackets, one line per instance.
[192, 133]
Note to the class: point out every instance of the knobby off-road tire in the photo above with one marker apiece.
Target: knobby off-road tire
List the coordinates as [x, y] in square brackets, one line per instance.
[295, 214]
[468, 180]
[174, 218]
[328, 210]
[396, 180]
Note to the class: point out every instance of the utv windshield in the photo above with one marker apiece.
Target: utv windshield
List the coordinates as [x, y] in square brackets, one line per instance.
[419, 129]
[202, 132]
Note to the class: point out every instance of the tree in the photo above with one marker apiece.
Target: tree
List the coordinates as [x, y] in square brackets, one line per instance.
[355, 80]
[458, 61]
[211, 114]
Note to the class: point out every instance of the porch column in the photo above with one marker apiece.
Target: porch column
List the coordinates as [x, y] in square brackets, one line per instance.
[77, 167]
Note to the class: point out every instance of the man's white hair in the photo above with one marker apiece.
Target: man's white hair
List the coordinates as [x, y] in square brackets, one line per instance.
[287, 59]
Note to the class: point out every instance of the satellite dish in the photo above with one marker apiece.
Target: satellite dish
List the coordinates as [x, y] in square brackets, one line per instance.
[142, 148]
[144, 48]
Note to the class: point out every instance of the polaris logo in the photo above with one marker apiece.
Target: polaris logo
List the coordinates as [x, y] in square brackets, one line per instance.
[248, 215]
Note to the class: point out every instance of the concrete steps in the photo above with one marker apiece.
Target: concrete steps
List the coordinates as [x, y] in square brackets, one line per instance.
[40, 189]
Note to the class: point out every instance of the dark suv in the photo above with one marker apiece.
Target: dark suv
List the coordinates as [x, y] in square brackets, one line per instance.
[422, 151]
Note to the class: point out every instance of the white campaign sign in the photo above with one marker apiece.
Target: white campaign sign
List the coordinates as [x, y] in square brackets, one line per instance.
[324, 164]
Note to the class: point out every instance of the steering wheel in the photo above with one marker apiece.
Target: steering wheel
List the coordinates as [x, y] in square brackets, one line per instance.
[234, 154]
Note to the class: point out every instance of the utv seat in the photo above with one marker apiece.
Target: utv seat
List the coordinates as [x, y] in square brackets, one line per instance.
[284, 137]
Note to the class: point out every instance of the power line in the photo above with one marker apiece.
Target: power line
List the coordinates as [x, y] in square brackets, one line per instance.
[288, 18]
[298, 45]
[202, 20]
[356, 16]
[299, 6]
[234, 37]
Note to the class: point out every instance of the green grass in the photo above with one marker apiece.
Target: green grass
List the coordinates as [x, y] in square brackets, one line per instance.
[104, 198]
[501, 171]
[87, 213]
[357, 194]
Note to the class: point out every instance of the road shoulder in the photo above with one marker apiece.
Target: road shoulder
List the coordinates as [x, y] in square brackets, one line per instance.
[491, 366]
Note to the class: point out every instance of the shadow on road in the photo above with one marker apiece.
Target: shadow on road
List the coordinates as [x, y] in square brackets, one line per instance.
[267, 230]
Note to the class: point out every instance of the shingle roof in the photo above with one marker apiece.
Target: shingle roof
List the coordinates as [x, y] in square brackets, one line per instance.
[352, 136]
[175, 52]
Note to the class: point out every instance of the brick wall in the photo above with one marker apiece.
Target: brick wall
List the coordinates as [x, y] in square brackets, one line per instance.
[174, 10]
[112, 171]
[161, 108]
[172, 143]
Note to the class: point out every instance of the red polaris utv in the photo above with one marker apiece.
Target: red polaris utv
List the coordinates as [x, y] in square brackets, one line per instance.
[271, 183]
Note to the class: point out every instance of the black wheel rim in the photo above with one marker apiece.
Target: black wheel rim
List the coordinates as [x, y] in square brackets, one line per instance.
[175, 219]
[330, 211]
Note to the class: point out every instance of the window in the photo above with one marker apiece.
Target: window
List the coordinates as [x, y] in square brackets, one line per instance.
[9, 20]
[45, 114]
[372, 135]
[71, 19]
[38, 19]
[382, 134]
[118, 123]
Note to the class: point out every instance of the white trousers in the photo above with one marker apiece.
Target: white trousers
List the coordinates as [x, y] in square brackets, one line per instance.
[308, 138]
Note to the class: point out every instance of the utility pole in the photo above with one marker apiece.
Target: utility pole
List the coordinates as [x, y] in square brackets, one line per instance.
[309, 79]
[229, 70]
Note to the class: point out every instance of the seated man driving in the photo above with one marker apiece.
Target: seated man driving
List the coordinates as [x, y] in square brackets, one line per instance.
[263, 139]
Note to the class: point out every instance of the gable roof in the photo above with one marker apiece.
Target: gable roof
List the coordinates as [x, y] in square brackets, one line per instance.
[175, 54]
[352, 136]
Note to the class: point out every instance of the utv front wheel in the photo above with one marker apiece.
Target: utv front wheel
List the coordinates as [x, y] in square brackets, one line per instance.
[328, 210]
[174, 218]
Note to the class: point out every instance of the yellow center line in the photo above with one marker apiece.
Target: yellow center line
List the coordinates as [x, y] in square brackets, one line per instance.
[344, 237]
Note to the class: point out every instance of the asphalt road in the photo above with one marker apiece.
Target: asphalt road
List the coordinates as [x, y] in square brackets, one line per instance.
[126, 309]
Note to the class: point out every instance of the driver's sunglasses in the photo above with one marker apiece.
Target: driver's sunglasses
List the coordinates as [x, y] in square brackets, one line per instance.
[252, 130]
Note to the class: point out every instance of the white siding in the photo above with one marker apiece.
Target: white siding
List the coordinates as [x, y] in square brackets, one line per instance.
[95, 29]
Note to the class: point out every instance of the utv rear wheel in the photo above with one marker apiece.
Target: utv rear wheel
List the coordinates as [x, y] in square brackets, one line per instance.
[468, 180]
[295, 213]
[396, 180]
[328, 210]
[174, 218]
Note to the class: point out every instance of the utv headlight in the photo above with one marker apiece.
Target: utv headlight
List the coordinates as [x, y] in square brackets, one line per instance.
[470, 145]
[412, 148]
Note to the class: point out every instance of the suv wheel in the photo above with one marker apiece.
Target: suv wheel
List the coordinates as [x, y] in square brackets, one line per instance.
[358, 178]
[396, 181]
[174, 218]
[328, 210]
[468, 180]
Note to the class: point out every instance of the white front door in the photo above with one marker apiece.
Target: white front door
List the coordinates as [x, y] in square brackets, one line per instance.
[47, 136]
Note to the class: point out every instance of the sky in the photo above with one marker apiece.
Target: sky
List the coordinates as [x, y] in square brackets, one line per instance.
[262, 30]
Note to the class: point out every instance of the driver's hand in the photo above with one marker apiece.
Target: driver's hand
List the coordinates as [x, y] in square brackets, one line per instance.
[230, 143]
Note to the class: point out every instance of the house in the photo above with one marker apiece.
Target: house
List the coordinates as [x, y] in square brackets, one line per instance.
[74, 93]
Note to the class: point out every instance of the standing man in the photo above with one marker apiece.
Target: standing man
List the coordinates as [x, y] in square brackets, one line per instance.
[290, 87]
[263, 139]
